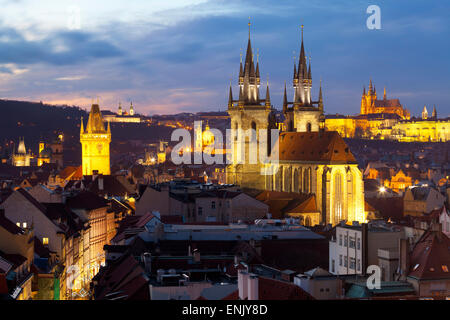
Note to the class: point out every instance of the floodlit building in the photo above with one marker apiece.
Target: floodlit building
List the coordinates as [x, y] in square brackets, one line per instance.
[310, 159]
[95, 142]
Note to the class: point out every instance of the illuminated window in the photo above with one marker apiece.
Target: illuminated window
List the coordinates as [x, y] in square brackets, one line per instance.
[415, 267]
[45, 241]
[18, 224]
[24, 225]
[444, 268]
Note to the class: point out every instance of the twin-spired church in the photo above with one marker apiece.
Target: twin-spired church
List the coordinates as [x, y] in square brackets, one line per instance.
[311, 160]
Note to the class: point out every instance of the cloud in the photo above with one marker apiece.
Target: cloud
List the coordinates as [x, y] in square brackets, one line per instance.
[59, 48]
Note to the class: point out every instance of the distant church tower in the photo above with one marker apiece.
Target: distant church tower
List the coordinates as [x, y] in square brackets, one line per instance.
[131, 109]
[95, 142]
[21, 158]
[249, 112]
[304, 115]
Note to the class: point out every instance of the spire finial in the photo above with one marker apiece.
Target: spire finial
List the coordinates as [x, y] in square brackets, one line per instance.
[257, 55]
[249, 24]
[302, 26]
[240, 54]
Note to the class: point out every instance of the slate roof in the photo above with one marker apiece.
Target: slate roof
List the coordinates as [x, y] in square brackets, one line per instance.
[86, 200]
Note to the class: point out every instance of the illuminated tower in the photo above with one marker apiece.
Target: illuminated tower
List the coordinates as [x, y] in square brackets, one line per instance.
[302, 114]
[249, 112]
[21, 158]
[95, 142]
[120, 111]
[131, 109]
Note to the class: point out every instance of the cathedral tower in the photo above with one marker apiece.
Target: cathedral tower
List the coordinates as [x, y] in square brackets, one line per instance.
[95, 142]
[303, 114]
[249, 112]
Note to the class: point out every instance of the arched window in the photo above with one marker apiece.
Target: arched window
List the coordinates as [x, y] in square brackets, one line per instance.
[308, 221]
[308, 127]
[296, 181]
[338, 198]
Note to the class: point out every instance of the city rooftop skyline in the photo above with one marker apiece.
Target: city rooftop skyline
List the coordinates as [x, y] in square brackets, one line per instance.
[179, 56]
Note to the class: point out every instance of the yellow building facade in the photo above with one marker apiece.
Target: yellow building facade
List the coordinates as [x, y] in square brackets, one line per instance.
[95, 140]
[387, 119]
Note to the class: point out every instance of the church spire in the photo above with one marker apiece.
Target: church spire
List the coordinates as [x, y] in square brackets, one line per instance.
[230, 98]
[320, 97]
[81, 126]
[268, 104]
[249, 81]
[364, 90]
[302, 69]
[309, 69]
[434, 114]
[285, 103]
[384, 94]
[370, 86]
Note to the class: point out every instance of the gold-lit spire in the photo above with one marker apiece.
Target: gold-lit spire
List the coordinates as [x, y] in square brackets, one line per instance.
[82, 126]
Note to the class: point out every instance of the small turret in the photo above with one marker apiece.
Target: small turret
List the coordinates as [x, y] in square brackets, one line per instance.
[230, 98]
[285, 103]
[81, 126]
[268, 104]
[320, 98]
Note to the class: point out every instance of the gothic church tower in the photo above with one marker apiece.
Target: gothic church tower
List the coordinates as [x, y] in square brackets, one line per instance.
[249, 112]
[95, 142]
[303, 114]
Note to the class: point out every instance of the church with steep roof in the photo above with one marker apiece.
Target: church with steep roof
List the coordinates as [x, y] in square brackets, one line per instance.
[95, 140]
[370, 104]
[310, 160]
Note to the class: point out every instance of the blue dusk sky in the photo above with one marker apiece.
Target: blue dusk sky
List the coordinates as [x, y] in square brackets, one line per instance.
[179, 55]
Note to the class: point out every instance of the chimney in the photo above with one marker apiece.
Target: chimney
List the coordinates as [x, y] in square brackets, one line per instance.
[196, 255]
[100, 182]
[253, 287]
[404, 258]
[364, 247]
[243, 284]
[147, 257]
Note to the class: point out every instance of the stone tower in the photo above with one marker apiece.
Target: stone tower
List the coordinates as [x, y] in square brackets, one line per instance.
[249, 112]
[303, 114]
[95, 142]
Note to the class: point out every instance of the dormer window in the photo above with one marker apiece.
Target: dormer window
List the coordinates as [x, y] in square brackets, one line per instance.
[24, 225]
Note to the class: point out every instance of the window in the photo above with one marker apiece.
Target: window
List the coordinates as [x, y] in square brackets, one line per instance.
[24, 225]
[359, 265]
[200, 211]
[345, 261]
[213, 204]
[352, 263]
[332, 265]
[18, 224]
[340, 239]
[45, 241]
[352, 242]
[345, 241]
[340, 259]
[358, 245]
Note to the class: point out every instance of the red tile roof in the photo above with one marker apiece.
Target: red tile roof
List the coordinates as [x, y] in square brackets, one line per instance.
[271, 289]
[430, 258]
[325, 147]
